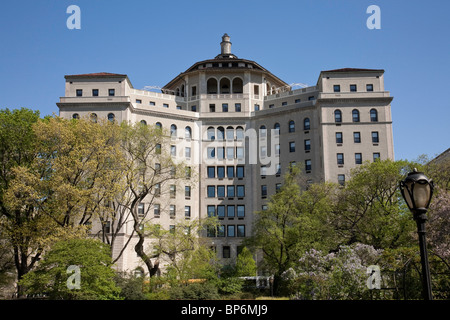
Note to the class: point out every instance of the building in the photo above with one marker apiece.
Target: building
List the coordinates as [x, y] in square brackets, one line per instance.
[241, 127]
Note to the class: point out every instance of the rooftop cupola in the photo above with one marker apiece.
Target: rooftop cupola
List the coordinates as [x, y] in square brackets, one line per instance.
[225, 48]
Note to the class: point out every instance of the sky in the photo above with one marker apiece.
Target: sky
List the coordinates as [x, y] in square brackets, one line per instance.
[153, 41]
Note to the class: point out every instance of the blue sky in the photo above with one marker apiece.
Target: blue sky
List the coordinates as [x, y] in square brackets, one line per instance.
[153, 41]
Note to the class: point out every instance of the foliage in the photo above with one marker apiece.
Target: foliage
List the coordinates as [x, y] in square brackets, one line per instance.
[245, 264]
[131, 286]
[94, 260]
[195, 291]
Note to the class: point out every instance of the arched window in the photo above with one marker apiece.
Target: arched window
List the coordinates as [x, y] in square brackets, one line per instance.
[277, 128]
[93, 117]
[211, 86]
[224, 86]
[373, 115]
[306, 124]
[75, 116]
[262, 131]
[291, 126]
[158, 126]
[237, 85]
[211, 133]
[220, 133]
[355, 115]
[239, 133]
[173, 131]
[230, 133]
[111, 117]
[182, 90]
[187, 133]
[337, 116]
[143, 122]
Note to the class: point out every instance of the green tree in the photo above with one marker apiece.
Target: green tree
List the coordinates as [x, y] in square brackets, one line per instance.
[245, 264]
[92, 257]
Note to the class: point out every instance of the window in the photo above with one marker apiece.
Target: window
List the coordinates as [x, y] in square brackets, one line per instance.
[212, 108]
[230, 172]
[187, 191]
[230, 133]
[187, 172]
[211, 191]
[230, 211]
[157, 189]
[152, 103]
[107, 226]
[75, 116]
[111, 117]
[239, 133]
[263, 191]
[284, 103]
[356, 137]
[240, 191]
[278, 169]
[211, 172]
[341, 179]
[187, 211]
[93, 117]
[221, 211]
[291, 126]
[237, 107]
[263, 151]
[220, 133]
[221, 231]
[376, 156]
[173, 131]
[307, 145]
[173, 190]
[224, 107]
[79, 92]
[95, 92]
[138, 101]
[241, 230]
[277, 187]
[211, 152]
[231, 229]
[241, 211]
[262, 131]
[373, 115]
[187, 152]
[221, 153]
[355, 115]
[298, 100]
[158, 126]
[369, 87]
[339, 137]
[221, 191]
[210, 231]
[375, 138]
[353, 88]
[277, 150]
[230, 152]
[220, 172]
[140, 209]
[210, 133]
[311, 98]
[156, 209]
[211, 211]
[277, 128]
[358, 158]
[306, 124]
[239, 171]
[263, 171]
[165, 105]
[111, 92]
[226, 252]
[292, 146]
[143, 122]
[230, 191]
[337, 88]
[340, 158]
[158, 148]
[188, 133]
[337, 116]
[193, 108]
[240, 153]
[308, 165]
[173, 151]
[172, 210]
[172, 228]
[256, 107]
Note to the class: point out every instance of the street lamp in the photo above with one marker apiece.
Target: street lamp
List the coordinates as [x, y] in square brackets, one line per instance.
[417, 191]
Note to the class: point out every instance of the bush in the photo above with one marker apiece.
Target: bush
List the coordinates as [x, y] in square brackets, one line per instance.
[194, 291]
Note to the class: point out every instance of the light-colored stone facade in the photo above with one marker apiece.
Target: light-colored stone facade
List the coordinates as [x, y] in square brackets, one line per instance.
[328, 129]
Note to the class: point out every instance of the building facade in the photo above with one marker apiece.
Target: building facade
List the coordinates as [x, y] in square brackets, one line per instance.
[241, 127]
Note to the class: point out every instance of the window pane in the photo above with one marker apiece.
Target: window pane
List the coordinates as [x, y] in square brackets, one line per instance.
[241, 211]
[230, 211]
[240, 171]
[231, 231]
[211, 211]
[221, 191]
[241, 230]
[220, 172]
[230, 172]
[221, 211]
[230, 191]
[211, 191]
[240, 191]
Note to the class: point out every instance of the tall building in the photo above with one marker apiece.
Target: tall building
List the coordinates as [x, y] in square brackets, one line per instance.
[241, 127]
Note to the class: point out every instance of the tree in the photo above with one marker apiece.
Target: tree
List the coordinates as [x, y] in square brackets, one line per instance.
[93, 259]
[245, 264]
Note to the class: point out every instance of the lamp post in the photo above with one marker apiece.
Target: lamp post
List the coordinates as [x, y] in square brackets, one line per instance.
[417, 191]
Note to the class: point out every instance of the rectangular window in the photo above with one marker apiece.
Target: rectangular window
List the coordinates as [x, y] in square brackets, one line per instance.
[230, 152]
[224, 107]
[156, 209]
[241, 211]
[308, 165]
[220, 172]
[79, 92]
[221, 231]
[284, 103]
[172, 210]
[194, 108]
[337, 88]
[340, 158]
[111, 92]
[277, 150]
[231, 229]
[341, 179]
[212, 108]
[173, 151]
[353, 88]
[240, 153]
[226, 252]
[278, 169]
[187, 152]
[230, 192]
[263, 171]
[263, 152]
[292, 146]
[95, 92]
[263, 191]
[271, 106]
[239, 171]
[307, 145]
[221, 211]
[277, 187]
[375, 138]
[230, 171]
[230, 211]
[211, 191]
[339, 138]
[241, 230]
[240, 191]
[157, 168]
[237, 107]
[187, 211]
[298, 100]
[369, 87]
[310, 98]
[187, 191]
[256, 107]
[165, 105]
[138, 101]
[152, 103]
[221, 191]
[211, 152]
[356, 137]
[210, 231]
[141, 209]
[157, 189]
[376, 156]
[211, 172]
[358, 158]
[211, 211]
[221, 153]
[187, 172]
[173, 190]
